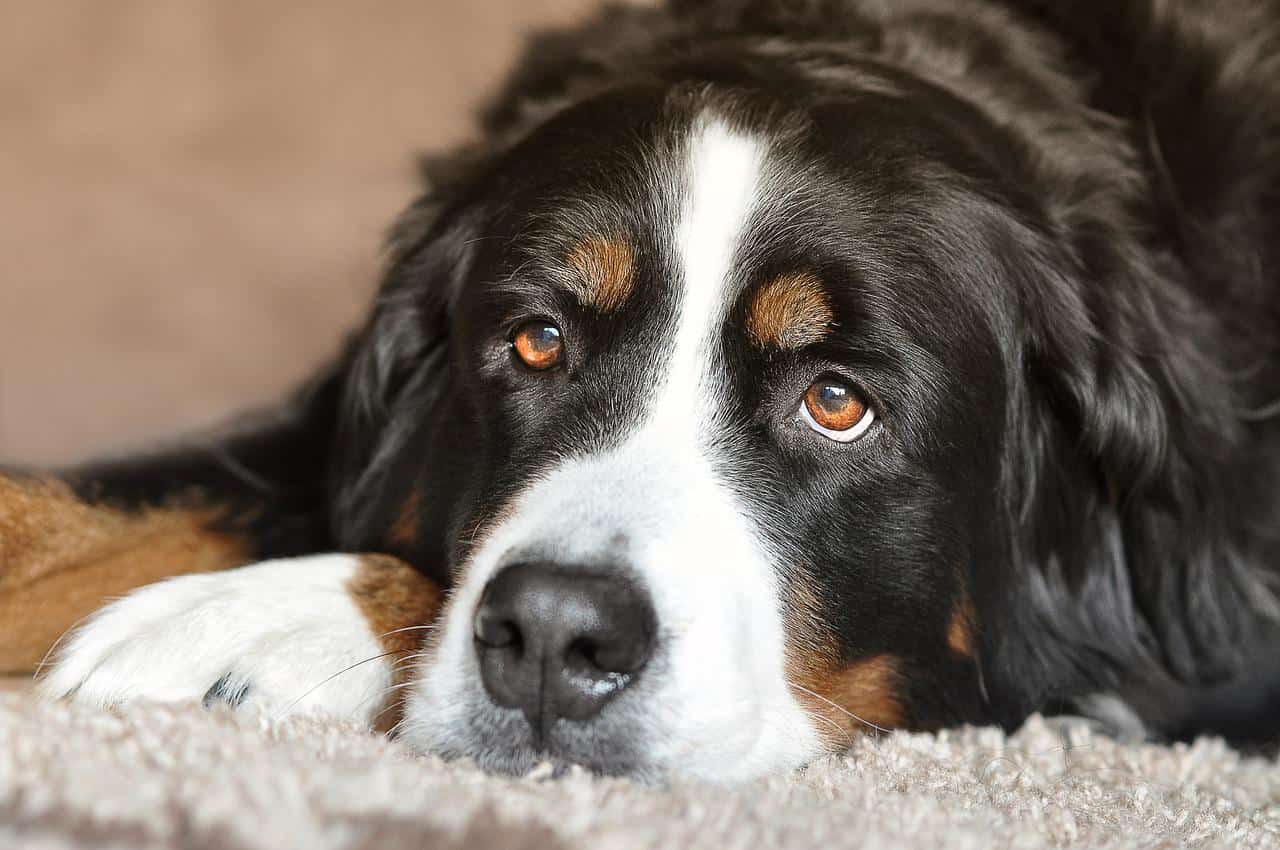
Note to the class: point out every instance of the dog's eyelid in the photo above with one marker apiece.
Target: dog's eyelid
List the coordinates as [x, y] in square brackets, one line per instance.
[850, 435]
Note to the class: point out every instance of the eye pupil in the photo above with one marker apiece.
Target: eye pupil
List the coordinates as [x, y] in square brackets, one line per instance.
[538, 345]
[833, 396]
[545, 337]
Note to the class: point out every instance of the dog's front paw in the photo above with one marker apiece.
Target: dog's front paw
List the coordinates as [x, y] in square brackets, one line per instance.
[286, 636]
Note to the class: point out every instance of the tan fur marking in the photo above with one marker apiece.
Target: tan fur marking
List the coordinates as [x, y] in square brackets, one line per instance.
[790, 312]
[404, 531]
[960, 630]
[398, 602]
[828, 691]
[605, 272]
[853, 699]
[61, 559]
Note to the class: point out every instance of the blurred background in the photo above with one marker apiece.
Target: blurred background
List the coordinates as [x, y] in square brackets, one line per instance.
[193, 194]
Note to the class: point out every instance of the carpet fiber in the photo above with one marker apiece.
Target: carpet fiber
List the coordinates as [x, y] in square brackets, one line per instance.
[178, 777]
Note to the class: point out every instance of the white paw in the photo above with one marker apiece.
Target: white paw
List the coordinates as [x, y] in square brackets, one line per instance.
[284, 636]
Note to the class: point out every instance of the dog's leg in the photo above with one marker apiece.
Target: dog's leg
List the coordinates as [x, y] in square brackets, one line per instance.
[333, 634]
[61, 558]
[300, 631]
[72, 540]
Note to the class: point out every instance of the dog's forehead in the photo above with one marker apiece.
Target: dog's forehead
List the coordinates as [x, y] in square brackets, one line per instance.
[719, 183]
[691, 220]
[724, 172]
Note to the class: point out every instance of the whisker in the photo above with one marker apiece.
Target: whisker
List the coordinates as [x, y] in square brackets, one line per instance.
[393, 703]
[401, 663]
[839, 708]
[842, 732]
[425, 628]
[381, 694]
[395, 730]
[328, 679]
[414, 656]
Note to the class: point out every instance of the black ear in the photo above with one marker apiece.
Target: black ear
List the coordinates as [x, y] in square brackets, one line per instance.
[398, 363]
[1128, 558]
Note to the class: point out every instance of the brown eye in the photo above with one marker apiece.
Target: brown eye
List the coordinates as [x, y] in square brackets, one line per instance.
[538, 345]
[836, 410]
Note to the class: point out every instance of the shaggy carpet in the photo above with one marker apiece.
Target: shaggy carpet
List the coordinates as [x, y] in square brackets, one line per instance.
[158, 776]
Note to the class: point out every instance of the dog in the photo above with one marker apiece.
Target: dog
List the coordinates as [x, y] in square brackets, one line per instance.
[771, 372]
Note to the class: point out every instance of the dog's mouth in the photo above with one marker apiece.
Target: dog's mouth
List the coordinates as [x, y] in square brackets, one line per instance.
[521, 762]
[624, 617]
[503, 741]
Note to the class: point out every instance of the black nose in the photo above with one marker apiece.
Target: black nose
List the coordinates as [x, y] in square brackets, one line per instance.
[559, 642]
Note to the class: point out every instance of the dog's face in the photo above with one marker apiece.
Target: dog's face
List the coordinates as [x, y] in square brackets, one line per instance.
[698, 405]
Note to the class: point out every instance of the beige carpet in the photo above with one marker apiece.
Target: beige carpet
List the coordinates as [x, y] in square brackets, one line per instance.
[178, 777]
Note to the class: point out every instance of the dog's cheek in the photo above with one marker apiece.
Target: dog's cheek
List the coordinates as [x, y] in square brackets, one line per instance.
[401, 607]
[853, 698]
[845, 698]
[961, 630]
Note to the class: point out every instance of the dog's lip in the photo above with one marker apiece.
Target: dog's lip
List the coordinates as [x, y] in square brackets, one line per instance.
[526, 762]
[517, 753]
[544, 764]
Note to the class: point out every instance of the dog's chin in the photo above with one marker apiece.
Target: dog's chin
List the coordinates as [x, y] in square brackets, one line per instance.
[499, 740]
[527, 761]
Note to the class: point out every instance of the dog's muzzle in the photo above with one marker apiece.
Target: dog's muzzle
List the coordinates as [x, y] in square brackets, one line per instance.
[558, 641]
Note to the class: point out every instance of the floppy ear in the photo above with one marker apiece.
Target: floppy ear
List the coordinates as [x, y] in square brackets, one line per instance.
[1125, 559]
[397, 365]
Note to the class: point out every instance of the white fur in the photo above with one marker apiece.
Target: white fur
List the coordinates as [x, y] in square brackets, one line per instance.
[724, 168]
[288, 630]
[720, 708]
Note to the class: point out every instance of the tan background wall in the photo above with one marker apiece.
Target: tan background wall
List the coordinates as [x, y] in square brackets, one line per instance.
[192, 193]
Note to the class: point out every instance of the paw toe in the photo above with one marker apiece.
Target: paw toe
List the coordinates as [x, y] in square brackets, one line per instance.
[229, 690]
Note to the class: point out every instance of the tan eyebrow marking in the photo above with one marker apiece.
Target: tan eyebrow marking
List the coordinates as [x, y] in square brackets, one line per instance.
[790, 311]
[605, 270]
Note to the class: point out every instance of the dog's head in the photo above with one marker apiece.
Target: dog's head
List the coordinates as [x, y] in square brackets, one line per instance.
[745, 414]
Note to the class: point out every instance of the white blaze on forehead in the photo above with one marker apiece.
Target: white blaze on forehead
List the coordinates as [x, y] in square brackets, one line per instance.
[723, 170]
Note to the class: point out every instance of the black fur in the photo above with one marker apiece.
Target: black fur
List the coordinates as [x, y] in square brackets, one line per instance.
[1056, 226]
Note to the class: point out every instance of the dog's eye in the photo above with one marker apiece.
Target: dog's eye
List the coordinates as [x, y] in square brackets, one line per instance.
[538, 345]
[836, 410]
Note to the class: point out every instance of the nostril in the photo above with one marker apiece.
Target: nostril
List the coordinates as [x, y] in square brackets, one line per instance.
[592, 657]
[605, 656]
[580, 657]
[497, 632]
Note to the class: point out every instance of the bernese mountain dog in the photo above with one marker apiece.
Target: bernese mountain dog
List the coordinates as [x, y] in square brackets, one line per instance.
[770, 372]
